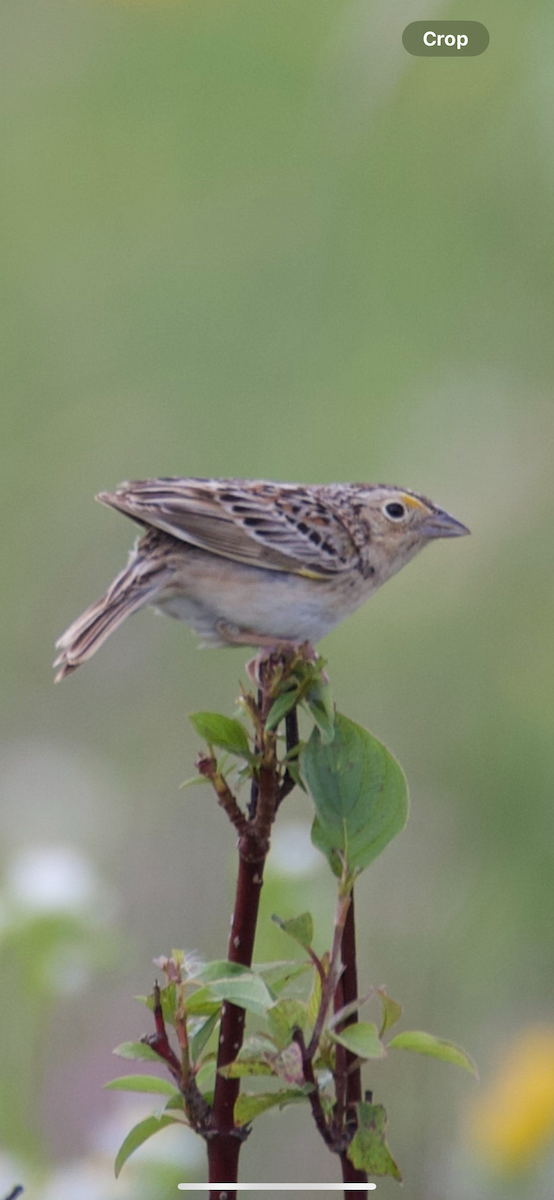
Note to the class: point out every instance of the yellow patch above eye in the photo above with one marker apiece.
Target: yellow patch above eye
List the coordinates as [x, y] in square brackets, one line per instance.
[412, 502]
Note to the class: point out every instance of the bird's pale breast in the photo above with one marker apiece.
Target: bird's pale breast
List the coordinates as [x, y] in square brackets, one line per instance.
[207, 590]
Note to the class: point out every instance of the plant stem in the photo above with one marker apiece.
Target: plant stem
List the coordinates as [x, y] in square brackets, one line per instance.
[225, 1138]
[225, 1142]
[159, 1041]
[333, 974]
[351, 1087]
[291, 728]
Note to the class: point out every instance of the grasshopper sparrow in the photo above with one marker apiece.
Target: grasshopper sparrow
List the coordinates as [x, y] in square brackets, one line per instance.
[256, 563]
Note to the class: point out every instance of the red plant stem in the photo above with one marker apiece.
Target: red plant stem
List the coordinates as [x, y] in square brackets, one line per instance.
[226, 1139]
[225, 1143]
[291, 727]
[346, 992]
[315, 1097]
[329, 989]
[159, 1041]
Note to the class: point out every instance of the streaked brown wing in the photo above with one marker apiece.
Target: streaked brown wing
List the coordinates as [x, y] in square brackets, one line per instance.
[283, 527]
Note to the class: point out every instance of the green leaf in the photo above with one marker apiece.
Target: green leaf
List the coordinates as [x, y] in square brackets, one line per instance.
[218, 730]
[205, 1080]
[202, 1036]
[203, 1003]
[220, 968]
[294, 772]
[249, 1106]
[280, 707]
[361, 1039]
[368, 1150]
[246, 1066]
[391, 1011]
[194, 781]
[137, 1051]
[142, 1083]
[139, 1134]
[425, 1043]
[288, 1065]
[319, 701]
[301, 928]
[326, 1058]
[247, 991]
[176, 1104]
[285, 1065]
[285, 1016]
[256, 1045]
[314, 999]
[339, 1016]
[168, 1001]
[360, 795]
[278, 974]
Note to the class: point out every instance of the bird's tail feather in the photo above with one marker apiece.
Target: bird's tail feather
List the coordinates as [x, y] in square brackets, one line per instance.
[134, 587]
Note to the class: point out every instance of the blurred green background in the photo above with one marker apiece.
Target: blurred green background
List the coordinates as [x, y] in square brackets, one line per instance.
[250, 238]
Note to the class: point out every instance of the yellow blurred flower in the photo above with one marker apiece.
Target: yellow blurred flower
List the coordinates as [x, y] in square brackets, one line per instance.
[513, 1120]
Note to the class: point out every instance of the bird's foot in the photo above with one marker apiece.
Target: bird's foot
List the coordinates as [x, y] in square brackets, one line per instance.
[272, 654]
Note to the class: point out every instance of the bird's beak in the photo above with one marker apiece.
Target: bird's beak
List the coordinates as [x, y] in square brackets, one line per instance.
[440, 524]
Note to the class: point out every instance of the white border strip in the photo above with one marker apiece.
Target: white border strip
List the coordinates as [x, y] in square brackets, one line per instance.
[276, 1187]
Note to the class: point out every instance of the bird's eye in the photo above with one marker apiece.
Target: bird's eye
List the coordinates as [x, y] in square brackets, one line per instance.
[395, 510]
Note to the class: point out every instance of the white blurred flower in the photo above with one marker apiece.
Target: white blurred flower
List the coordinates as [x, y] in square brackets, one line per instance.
[88, 1179]
[175, 1144]
[12, 1172]
[52, 879]
[292, 851]
[49, 790]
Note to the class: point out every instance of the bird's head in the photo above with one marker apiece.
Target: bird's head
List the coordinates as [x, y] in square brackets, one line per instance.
[400, 523]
